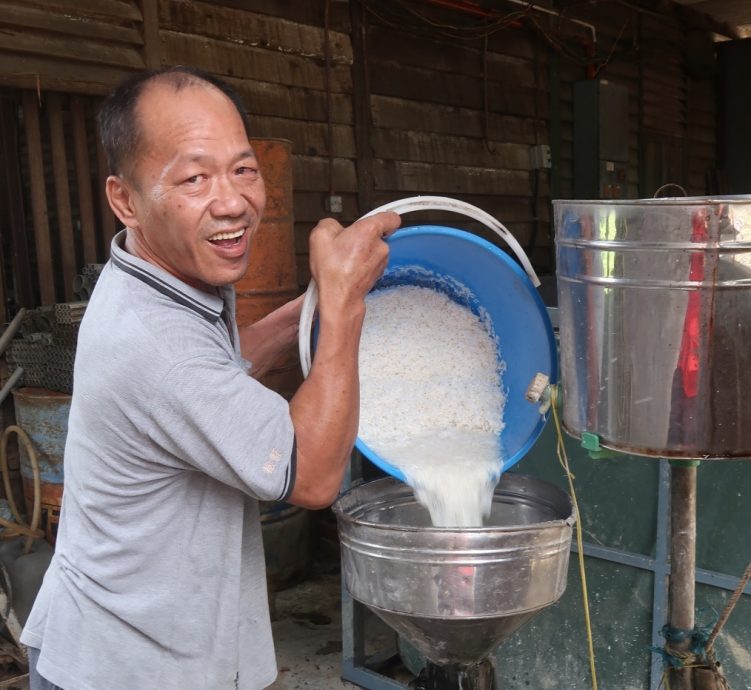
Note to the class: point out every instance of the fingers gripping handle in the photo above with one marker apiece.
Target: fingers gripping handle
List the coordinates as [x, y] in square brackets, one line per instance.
[402, 206]
[442, 203]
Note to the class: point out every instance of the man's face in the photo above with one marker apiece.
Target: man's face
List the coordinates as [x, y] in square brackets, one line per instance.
[196, 192]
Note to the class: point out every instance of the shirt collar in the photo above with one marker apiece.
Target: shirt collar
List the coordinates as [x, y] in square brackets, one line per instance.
[204, 303]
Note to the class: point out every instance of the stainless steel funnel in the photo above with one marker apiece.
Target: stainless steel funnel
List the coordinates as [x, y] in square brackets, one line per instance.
[455, 594]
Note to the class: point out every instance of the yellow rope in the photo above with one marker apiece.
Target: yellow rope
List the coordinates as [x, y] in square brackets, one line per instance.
[563, 459]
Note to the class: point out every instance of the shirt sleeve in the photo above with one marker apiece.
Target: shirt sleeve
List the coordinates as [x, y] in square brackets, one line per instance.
[213, 417]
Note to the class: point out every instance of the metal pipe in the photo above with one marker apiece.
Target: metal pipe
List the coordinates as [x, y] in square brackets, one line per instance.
[545, 10]
[12, 329]
[682, 586]
[477, 10]
[10, 383]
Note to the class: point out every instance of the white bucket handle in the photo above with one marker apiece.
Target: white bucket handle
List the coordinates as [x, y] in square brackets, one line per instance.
[402, 206]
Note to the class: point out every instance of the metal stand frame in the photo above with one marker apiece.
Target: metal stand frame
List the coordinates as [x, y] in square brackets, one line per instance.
[682, 587]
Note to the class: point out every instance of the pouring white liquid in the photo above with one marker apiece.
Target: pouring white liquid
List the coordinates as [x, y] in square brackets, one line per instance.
[431, 400]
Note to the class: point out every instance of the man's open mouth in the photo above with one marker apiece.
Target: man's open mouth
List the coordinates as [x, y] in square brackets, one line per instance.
[227, 239]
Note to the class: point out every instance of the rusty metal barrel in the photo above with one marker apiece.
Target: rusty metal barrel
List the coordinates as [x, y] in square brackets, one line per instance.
[271, 278]
[269, 282]
[43, 415]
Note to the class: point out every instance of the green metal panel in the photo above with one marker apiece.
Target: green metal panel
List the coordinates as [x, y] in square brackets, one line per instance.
[618, 499]
[617, 496]
[551, 652]
[724, 517]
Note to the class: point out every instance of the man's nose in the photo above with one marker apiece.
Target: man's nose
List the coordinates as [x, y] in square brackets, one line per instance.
[228, 198]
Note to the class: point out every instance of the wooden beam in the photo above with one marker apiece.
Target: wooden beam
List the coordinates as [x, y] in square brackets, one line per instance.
[251, 62]
[69, 24]
[391, 112]
[62, 194]
[310, 137]
[426, 178]
[246, 27]
[52, 74]
[150, 27]
[10, 179]
[83, 175]
[418, 146]
[108, 226]
[79, 50]
[362, 108]
[3, 293]
[113, 9]
[45, 271]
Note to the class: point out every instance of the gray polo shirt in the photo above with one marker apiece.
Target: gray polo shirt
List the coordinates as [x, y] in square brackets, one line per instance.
[158, 579]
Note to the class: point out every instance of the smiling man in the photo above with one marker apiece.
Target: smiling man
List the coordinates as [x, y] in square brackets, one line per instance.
[158, 579]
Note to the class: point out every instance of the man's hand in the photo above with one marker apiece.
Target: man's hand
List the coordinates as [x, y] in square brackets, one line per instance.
[346, 262]
[267, 341]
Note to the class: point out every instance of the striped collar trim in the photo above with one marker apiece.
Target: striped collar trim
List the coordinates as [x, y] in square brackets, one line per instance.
[207, 305]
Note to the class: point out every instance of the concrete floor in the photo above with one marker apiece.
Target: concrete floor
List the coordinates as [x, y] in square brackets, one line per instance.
[307, 628]
[308, 636]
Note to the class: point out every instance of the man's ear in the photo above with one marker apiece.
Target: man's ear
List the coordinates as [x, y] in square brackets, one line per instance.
[120, 196]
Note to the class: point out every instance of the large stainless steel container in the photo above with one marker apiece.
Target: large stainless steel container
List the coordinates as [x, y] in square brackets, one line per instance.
[655, 324]
[455, 594]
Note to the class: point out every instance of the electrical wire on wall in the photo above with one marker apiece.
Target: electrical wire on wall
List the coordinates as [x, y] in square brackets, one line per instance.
[474, 22]
[405, 15]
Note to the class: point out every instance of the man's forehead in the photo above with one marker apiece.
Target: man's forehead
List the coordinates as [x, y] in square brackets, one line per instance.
[164, 113]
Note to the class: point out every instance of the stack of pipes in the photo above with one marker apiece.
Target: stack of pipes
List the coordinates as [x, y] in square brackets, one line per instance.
[84, 282]
[46, 347]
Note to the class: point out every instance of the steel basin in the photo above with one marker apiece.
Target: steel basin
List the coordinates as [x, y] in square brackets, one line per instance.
[655, 320]
[455, 594]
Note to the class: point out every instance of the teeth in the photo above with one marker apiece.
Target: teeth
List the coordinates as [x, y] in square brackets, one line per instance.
[227, 235]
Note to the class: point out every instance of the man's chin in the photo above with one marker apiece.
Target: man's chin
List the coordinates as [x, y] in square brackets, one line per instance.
[228, 276]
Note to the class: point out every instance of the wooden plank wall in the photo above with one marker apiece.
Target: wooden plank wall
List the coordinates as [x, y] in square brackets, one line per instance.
[454, 118]
[376, 108]
[54, 218]
[56, 58]
[81, 46]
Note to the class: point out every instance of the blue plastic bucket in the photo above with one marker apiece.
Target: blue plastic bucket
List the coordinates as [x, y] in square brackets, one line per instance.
[504, 293]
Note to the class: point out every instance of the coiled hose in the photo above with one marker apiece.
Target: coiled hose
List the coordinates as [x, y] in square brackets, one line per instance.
[19, 527]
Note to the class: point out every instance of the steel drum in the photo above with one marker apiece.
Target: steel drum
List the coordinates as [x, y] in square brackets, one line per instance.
[655, 324]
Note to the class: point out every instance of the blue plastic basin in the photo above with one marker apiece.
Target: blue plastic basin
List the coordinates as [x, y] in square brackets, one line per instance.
[505, 293]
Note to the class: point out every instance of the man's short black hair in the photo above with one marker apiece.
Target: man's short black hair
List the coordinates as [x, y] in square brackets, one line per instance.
[119, 127]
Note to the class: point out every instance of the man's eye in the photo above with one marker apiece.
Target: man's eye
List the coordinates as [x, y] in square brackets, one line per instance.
[246, 170]
[194, 179]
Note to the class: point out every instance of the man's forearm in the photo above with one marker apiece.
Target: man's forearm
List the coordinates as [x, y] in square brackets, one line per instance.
[325, 413]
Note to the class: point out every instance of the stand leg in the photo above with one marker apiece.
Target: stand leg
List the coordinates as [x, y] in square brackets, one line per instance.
[479, 677]
[682, 587]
